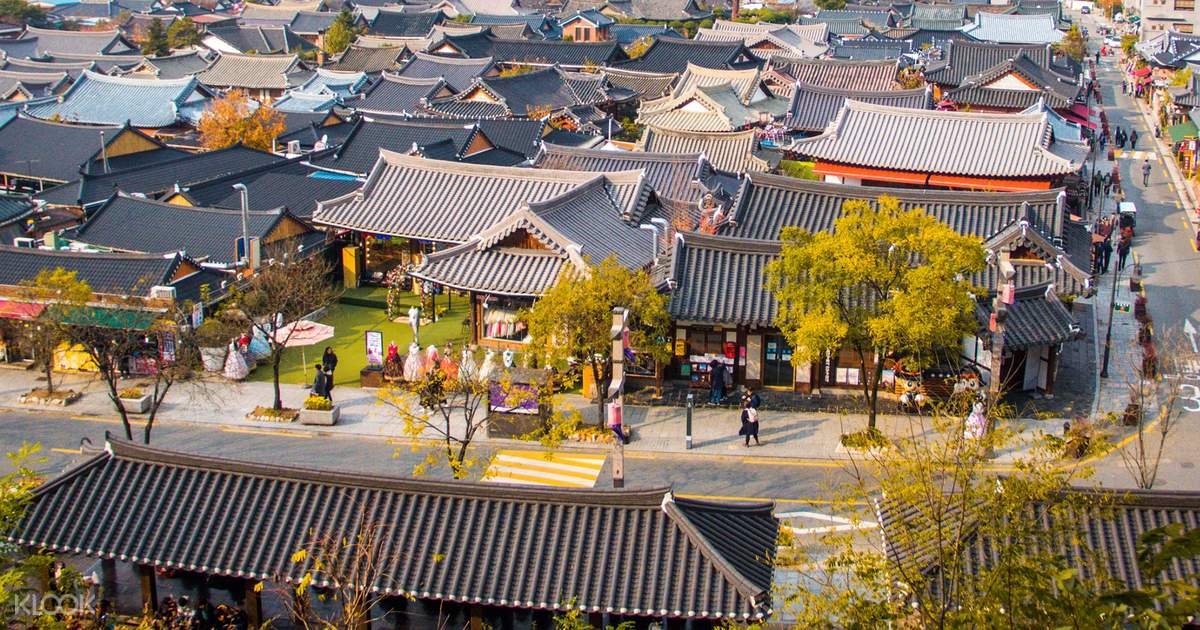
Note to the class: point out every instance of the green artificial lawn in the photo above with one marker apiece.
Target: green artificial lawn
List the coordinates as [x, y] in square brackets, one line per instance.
[351, 322]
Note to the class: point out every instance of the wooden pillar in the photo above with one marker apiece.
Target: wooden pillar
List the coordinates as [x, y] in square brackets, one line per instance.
[253, 604]
[473, 298]
[108, 579]
[1051, 369]
[149, 587]
[476, 614]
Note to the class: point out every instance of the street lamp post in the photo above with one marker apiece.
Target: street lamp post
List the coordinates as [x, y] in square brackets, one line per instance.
[245, 195]
[1112, 306]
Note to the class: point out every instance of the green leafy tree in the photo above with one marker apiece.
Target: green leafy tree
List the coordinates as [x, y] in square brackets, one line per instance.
[573, 321]
[340, 34]
[830, 5]
[58, 289]
[1128, 42]
[1073, 44]
[21, 11]
[797, 169]
[939, 487]
[183, 33]
[884, 281]
[156, 43]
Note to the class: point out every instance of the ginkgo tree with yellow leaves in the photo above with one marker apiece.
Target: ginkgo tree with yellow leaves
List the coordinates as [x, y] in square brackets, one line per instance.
[884, 281]
[235, 118]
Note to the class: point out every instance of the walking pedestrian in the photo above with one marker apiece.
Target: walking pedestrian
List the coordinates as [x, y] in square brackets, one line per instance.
[1097, 56]
[749, 424]
[1146, 173]
[1105, 254]
[751, 398]
[1133, 139]
[319, 382]
[328, 383]
[1122, 254]
[329, 361]
[716, 385]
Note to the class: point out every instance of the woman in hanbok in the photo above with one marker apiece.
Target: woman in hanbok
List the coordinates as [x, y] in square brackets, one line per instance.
[235, 364]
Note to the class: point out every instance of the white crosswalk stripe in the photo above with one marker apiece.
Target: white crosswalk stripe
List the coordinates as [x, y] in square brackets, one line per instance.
[537, 468]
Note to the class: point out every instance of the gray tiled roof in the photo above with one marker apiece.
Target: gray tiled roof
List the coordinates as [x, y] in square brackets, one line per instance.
[203, 233]
[962, 59]
[290, 185]
[49, 150]
[722, 280]
[14, 208]
[262, 40]
[529, 94]
[814, 107]
[368, 59]
[177, 66]
[53, 41]
[729, 151]
[250, 71]
[581, 225]
[1014, 29]
[839, 74]
[113, 273]
[393, 94]
[404, 24]
[669, 54]
[312, 22]
[458, 73]
[683, 562]
[672, 175]
[840, 28]
[563, 53]
[41, 67]
[159, 177]
[103, 99]
[984, 145]
[871, 50]
[878, 18]
[648, 85]
[31, 84]
[406, 196]
[1057, 91]
[515, 141]
[765, 204]
[20, 48]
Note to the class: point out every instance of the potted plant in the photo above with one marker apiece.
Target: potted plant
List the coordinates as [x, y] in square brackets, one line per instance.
[319, 410]
[134, 399]
[213, 338]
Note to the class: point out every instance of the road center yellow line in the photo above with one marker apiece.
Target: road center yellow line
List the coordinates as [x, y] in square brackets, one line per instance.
[68, 451]
[291, 434]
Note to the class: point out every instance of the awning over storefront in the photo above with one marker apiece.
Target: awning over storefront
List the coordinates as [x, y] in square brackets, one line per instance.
[25, 311]
[1183, 131]
[1141, 72]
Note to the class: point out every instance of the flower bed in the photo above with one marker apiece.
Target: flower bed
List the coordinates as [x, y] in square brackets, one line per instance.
[270, 414]
[57, 398]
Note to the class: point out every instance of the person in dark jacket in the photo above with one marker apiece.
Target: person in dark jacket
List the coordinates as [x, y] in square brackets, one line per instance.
[1122, 254]
[716, 376]
[329, 361]
[320, 386]
[1105, 254]
[749, 424]
[751, 399]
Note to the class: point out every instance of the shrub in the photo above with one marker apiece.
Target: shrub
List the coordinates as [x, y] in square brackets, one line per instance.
[866, 439]
[131, 392]
[318, 403]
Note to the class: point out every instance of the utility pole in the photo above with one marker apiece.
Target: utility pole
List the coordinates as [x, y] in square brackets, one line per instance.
[245, 195]
[616, 392]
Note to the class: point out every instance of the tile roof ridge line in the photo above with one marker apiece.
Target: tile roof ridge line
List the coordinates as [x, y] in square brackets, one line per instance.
[86, 254]
[648, 498]
[731, 243]
[121, 194]
[562, 149]
[401, 160]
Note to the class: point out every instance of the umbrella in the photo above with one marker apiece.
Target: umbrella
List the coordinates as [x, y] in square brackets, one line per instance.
[301, 334]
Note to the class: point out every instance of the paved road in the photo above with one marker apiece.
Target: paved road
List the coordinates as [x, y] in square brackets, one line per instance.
[725, 477]
[1170, 263]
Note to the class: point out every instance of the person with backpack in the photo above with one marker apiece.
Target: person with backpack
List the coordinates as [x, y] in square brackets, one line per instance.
[716, 384]
[749, 423]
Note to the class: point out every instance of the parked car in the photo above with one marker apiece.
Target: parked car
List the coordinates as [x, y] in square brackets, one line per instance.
[1112, 42]
[1085, 9]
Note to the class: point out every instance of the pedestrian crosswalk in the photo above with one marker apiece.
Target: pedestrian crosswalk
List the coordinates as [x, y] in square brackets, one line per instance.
[539, 468]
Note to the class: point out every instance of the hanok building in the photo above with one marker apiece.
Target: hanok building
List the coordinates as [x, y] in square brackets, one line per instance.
[261, 76]
[873, 145]
[707, 99]
[23, 86]
[723, 310]
[733, 151]
[175, 66]
[813, 107]
[291, 184]
[38, 154]
[405, 198]
[155, 104]
[370, 60]
[683, 567]
[501, 142]
[52, 42]
[573, 99]
[459, 74]
[207, 235]
[670, 55]
[398, 96]
[1004, 28]
[390, 23]
[963, 59]
[255, 40]
[1016, 84]
[784, 73]
[676, 177]
[767, 40]
[588, 26]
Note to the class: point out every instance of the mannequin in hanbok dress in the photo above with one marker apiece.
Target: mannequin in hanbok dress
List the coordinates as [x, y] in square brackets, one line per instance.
[235, 364]
[488, 367]
[414, 367]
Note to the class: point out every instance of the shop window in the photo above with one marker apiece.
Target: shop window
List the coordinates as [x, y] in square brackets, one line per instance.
[500, 320]
[705, 342]
[1184, 28]
[1185, 5]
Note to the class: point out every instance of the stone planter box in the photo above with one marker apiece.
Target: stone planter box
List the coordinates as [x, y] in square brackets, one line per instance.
[320, 417]
[136, 405]
[213, 358]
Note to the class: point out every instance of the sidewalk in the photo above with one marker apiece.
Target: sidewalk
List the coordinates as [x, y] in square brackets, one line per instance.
[792, 435]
